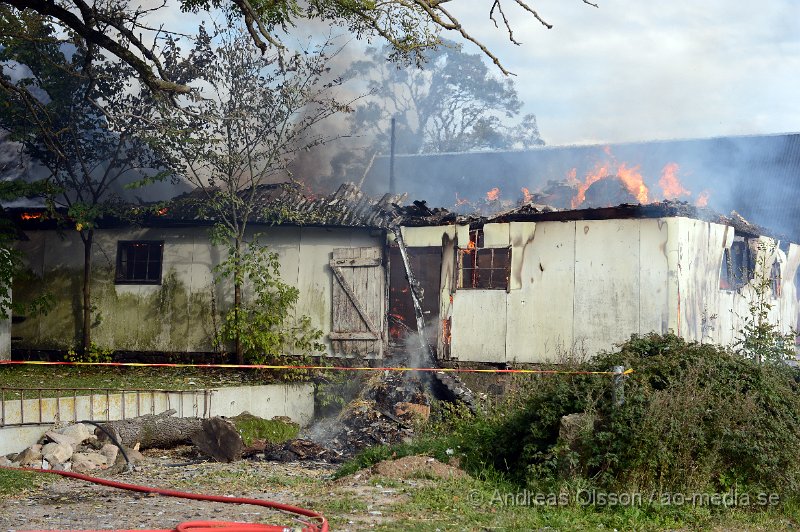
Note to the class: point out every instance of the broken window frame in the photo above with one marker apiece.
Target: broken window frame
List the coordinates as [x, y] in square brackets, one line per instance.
[738, 264]
[135, 255]
[776, 279]
[473, 275]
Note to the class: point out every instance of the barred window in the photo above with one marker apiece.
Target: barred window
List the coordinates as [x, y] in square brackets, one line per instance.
[139, 262]
[483, 268]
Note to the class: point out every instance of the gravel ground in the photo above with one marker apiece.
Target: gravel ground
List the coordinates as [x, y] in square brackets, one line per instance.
[356, 502]
[70, 504]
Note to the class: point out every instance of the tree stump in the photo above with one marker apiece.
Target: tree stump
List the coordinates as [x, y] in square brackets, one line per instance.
[219, 439]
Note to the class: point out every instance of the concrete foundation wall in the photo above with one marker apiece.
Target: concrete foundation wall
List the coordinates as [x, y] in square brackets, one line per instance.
[295, 401]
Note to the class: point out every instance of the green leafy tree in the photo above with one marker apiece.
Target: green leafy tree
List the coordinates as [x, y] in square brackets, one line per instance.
[760, 339]
[255, 115]
[54, 93]
[452, 103]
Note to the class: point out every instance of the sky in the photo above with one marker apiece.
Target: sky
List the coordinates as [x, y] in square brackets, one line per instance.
[632, 70]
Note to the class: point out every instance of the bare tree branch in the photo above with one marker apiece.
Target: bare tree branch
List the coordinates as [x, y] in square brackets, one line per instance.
[410, 26]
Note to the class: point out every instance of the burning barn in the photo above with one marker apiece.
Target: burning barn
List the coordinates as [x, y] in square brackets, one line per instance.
[754, 174]
[515, 287]
[528, 284]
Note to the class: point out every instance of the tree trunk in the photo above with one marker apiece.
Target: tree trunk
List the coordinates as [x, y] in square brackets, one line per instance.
[87, 289]
[237, 300]
[160, 431]
[219, 439]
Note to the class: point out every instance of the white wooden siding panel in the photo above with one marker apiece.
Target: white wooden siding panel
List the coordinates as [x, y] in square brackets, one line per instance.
[496, 235]
[521, 237]
[462, 235]
[653, 272]
[540, 313]
[426, 236]
[479, 325]
[606, 282]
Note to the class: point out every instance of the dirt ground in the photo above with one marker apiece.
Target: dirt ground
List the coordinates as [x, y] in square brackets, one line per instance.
[356, 502]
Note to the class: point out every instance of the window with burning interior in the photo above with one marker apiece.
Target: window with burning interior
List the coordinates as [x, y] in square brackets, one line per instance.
[139, 262]
[738, 264]
[483, 268]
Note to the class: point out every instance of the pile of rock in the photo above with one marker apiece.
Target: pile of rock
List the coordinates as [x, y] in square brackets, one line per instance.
[72, 448]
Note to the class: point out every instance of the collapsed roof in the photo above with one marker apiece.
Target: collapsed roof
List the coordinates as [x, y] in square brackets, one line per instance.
[288, 205]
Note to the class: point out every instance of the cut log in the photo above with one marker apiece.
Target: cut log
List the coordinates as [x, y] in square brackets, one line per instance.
[219, 439]
[160, 431]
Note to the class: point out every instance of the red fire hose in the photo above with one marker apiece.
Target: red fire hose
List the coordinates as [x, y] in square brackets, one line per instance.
[321, 524]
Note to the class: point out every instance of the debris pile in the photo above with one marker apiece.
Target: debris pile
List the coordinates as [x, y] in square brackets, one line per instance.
[299, 449]
[71, 448]
[383, 414]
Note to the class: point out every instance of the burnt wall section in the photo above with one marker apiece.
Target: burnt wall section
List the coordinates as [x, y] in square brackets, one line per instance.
[426, 264]
[181, 313]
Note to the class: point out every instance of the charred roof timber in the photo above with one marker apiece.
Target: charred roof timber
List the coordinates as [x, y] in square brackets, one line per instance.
[287, 204]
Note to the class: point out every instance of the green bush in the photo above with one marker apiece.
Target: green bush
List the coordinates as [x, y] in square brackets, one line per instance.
[265, 321]
[695, 417]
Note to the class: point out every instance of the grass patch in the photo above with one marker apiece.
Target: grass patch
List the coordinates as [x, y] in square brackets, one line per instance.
[344, 504]
[130, 378]
[13, 482]
[470, 504]
[240, 478]
[273, 430]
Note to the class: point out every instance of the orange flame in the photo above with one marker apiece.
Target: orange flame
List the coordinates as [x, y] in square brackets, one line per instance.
[670, 184]
[631, 177]
[30, 215]
[702, 199]
[596, 175]
[163, 211]
[527, 195]
[493, 194]
[461, 201]
[633, 182]
[572, 177]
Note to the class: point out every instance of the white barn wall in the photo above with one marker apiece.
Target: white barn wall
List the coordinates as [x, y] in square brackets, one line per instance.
[176, 315]
[479, 326]
[704, 311]
[607, 289]
[654, 275]
[589, 285]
